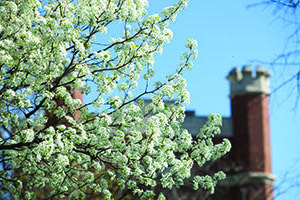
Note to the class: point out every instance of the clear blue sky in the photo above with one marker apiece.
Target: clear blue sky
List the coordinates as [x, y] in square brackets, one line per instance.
[229, 34]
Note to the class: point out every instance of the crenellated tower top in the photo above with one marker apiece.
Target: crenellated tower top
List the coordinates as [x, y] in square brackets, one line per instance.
[248, 81]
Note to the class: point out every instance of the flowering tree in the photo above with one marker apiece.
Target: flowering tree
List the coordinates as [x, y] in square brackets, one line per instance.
[119, 144]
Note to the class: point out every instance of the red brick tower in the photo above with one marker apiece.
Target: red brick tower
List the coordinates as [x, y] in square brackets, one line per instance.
[53, 120]
[249, 93]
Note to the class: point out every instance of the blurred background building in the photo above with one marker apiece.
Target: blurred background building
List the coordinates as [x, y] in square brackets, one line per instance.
[248, 164]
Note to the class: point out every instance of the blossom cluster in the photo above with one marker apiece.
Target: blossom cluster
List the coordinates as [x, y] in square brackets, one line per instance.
[120, 143]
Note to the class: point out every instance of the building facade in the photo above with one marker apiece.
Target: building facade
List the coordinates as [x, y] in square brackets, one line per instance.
[248, 164]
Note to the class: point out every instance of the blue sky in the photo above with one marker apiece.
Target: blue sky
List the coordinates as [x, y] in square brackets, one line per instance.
[230, 34]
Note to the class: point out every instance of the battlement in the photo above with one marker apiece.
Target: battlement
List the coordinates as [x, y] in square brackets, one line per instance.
[249, 81]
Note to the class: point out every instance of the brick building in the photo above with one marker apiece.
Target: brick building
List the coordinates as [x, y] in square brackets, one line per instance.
[248, 165]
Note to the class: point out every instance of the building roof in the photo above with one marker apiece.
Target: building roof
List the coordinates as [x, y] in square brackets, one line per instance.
[194, 123]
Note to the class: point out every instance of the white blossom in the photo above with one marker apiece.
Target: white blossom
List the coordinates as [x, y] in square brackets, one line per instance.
[106, 50]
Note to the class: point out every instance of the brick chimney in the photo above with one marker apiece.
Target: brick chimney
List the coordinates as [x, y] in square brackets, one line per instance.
[249, 93]
[53, 120]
